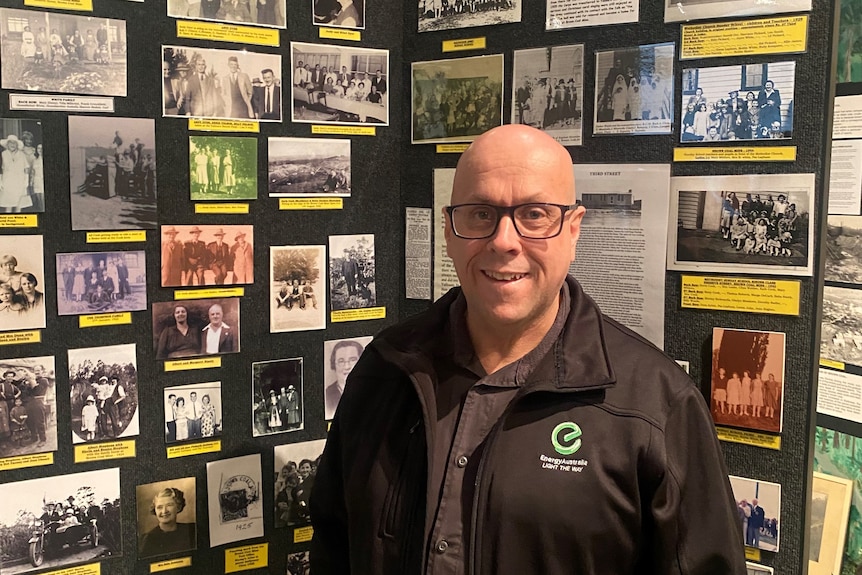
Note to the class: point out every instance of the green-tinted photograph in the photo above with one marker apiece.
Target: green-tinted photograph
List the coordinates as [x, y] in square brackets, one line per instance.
[849, 64]
[222, 168]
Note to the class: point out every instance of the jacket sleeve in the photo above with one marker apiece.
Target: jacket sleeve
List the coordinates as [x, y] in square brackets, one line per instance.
[330, 552]
[696, 529]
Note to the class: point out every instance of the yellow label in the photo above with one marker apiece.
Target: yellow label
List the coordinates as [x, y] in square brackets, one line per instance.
[221, 208]
[91, 569]
[752, 154]
[227, 33]
[246, 126]
[748, 437]
[184, 450]
[101, 319]
[62, 5]
[328, 426]
[303, 534]
[839, 365]
[102, 451]
[187, 364]
[452, 148]
[784, 35]
[779, 297]
[340, 34]
[171, 564]
[16, 337]
[245, 558]
[345, 130]
[752, 554]
[19, 221]
[209, 292]
[116, 237]
[464, 44]
[310, 203]
[22, 461]
[357, 314]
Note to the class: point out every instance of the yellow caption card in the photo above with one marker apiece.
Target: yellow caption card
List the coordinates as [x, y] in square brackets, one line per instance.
[116, 237]
[187, 449]
[464, 44]
[227, 33]
[188, 364]
[245, 558]
[221, 208]
[780, 297]
[452, 148]
[245, 126]
[91, 569]
[22, 461]
[103, 319]
[357, 314]
[86, 5]
[19, 221]
[839, 365]
[345, 130]
[733, 154]
[170, 564]
[340, 34]
[303, 534]
[104, 451]
[752, 554]
[310, 203]
[748, 437]
[784, 35]
[16, 337]
[209, 292]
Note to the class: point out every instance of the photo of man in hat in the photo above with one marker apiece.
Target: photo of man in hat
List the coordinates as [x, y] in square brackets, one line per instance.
[172, 257]
[219, 256]
[206, 256]
[195, 253]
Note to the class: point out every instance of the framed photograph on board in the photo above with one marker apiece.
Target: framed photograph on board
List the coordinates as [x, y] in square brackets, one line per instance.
[269, 13]
[758, 505]
[830, 507]
[681, 10]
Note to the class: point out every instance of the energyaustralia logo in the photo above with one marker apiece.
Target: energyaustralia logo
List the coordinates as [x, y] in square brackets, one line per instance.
[566, 439]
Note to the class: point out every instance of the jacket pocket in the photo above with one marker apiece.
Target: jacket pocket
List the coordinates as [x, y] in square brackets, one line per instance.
[402, 501]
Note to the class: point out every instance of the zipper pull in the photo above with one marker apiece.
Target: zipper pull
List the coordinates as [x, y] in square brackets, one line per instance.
[415, 426]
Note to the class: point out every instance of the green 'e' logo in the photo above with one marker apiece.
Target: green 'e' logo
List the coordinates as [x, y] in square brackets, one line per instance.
[566, 438]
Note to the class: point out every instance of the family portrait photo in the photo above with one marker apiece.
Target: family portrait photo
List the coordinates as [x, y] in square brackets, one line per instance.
[312, 167]
[28, 406]
[195, 327]
[22, 171]
[452, 14]
[269, 13]
[841, 327]
[22, 297]
[234, 499]
[101, 282]
[339, 357]
[277, 396]
[207, 255]
[166, 517]
[297, 288]
[295, 468]
[193, 411]
[352, 275]
[758, 507]
[222, 168]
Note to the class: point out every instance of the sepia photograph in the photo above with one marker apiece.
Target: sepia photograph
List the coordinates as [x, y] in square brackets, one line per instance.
[28, 406]
[298, 563]
[339, 357]
[222, 168]
[269, 13]
[548, 91]
[831, 499]
[297, 288]
[277, 396]
[340, 14]
[841, 327]
[22, 298]
[112, 173]
[101, 282]
[196, 327]
[729, 103]
[456, 100]
[844, 249]
[744, 224]
[683, 10]
[234, 499]
[54, 522]
[452, 14]
[300, 167]
[757, 569]
[339, 84]
[207, 255]
[634, 91]
[352, 282]
[166, 517]
[221, 84]
[758, 507]
[295, 468]
[22, 171]
[747, 379]
[193, 411]
[56, 52]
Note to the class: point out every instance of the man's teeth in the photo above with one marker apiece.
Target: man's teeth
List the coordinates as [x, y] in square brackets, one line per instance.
[504, 277]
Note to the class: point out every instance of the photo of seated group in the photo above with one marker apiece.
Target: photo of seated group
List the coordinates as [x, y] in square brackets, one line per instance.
[297, 278]
[101, 282]
[207, 255]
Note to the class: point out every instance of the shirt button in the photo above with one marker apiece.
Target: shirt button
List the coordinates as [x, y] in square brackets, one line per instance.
[462, 461]
[442, 546]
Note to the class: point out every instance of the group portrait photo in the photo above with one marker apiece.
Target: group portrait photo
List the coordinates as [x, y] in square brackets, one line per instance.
[101, 282]
[222, 168]
[22, 166]
[207, 255]
[269, 13]
[28, 406]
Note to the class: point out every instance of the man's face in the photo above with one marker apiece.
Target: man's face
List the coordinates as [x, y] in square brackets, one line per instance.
[166, 69]
[268, 78]
[9, 377]
[233, 66]
[201, 66]
[215, 315]
[193, 396]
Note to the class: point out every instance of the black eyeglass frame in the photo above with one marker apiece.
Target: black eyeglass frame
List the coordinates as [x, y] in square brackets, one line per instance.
[510, 211]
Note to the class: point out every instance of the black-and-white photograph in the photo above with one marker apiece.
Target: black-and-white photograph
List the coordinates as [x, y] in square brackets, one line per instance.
[844, 249]
[22, 301]
[22, 171]
[234, 499]
[112, 173]
[196, 327]
[340, 14]
[746, 102]
[339, 84]
[548, 91]
[269, 13]
[339, 357]
[222, 168]
[54, 522]
[56, 52]
[684, 10]
[352, 282]
[101, 282]
[166, 517]
[312, 167]
[456, 100]
[295, 468]
[207, 255]
[193, 411]
[451, 14]
[758, 506]
[757, 569]
[746, 224]
[634, 90]
[28, 406]
[277, 396]
[297, 287]
[228, 84]
[104, 392]
[841, 328]
[298, 563]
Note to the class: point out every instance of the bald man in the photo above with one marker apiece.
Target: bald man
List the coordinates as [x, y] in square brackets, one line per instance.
[513, 428]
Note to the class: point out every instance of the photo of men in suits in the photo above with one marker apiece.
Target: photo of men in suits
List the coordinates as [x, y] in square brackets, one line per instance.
[267, 98]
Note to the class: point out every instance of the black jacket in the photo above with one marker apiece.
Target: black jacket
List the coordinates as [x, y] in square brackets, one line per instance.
[645, 493]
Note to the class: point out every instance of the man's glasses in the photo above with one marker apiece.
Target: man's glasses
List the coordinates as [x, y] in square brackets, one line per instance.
[536, 221]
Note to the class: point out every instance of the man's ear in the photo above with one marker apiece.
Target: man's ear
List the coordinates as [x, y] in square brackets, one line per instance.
[447, 230]
[575, 226]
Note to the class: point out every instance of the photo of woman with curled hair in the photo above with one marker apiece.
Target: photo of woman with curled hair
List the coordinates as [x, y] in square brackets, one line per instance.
[167, 503]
